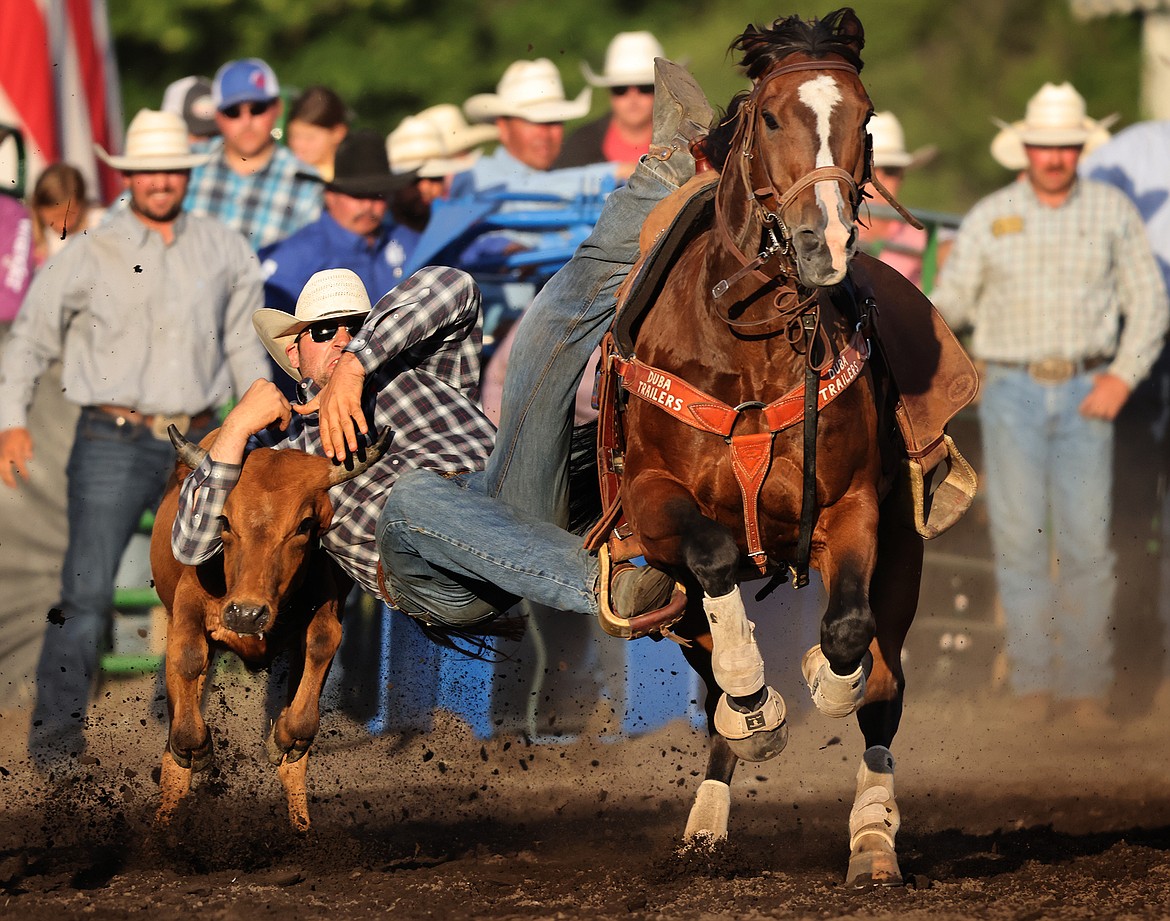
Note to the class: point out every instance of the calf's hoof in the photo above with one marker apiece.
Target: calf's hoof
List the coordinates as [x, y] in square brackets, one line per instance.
[278, 754]
[195, 759]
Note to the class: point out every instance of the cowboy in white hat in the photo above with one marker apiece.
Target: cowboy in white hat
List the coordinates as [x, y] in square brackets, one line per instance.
[1056, 278]
[149, 315]
[436, 144]
[622, 135]
[1055, 117]
[890, 238]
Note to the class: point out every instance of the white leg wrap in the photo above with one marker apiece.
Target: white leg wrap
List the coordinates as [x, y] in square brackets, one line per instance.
[708, 818]
[875, 812]
[834, 695]
[736, 660]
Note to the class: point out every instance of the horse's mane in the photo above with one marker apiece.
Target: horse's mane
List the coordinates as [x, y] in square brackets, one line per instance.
[839, 32]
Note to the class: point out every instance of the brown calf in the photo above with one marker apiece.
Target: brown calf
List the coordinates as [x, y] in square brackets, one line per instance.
[272, 586]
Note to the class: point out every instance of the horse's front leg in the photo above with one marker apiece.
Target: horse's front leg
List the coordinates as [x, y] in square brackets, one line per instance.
[874, 819]
[749, 714]
[846, 553]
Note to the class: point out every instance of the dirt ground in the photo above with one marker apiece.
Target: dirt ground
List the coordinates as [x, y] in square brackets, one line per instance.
[999, 820]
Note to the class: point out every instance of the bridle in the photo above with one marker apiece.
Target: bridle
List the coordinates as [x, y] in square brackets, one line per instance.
[761, 190]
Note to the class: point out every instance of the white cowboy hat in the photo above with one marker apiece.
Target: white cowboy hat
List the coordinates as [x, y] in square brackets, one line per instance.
[629, 61]
[458, 136]
[1055, 117]
[330, 294]
[889, 144]
[531, 90]
[417, 144]
[154, 141]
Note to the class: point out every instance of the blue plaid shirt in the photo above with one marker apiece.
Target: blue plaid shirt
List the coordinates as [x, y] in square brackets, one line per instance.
[266, 206]
[420, 348]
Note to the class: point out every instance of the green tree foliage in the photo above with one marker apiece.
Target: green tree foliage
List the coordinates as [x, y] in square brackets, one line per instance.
[946, 69]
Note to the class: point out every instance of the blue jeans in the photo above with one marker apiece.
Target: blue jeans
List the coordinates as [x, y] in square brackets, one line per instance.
[528, 467]
[453, 556]
[1048, 485]
[115, 473]
[457, 551]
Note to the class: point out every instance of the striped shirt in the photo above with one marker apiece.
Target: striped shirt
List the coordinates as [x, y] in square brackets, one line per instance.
[265, 206]
[1038, 282]
[420, 349]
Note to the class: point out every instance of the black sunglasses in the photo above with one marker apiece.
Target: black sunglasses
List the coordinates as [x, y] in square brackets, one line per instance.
[646, 89]
[324, 332]
[256, 108]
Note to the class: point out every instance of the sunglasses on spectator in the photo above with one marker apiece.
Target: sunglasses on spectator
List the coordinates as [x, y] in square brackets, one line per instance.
[256, 108]
[647, 89]
[325, 332]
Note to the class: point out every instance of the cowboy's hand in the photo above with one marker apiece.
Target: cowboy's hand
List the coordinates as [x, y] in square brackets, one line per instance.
[1105, 400]
[339, 405]
[261, 405]
[16, 451]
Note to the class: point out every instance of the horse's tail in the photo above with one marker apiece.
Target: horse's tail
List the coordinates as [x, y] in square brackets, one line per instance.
[584, 492]
[475, 641]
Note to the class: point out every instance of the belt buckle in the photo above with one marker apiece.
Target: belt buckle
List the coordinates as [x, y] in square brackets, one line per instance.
[1052, 370]
[159, 424]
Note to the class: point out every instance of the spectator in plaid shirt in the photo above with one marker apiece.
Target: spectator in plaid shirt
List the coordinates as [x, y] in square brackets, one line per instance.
[1056, 277]
[410, 365]
[251, 183]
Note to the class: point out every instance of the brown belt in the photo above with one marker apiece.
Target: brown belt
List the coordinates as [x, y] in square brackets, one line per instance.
[157, 423]
[1056, 370]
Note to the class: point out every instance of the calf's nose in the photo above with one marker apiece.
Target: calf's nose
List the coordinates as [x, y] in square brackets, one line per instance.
[245, 617]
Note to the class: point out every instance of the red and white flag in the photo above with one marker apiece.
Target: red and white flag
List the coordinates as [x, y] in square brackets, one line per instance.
[59, 85]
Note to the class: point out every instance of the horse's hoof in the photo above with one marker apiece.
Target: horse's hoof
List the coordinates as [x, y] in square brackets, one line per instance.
[873, 863]
[756, 736]
[834, 695]
[708, 819]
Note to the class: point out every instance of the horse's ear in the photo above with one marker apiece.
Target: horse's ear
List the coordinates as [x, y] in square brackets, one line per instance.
[850, 30]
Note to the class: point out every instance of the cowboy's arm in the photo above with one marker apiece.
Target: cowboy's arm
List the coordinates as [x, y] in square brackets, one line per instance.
[432, 306]
[196, 533]
[36, 339]
[1142, 295]
[245, 355]
[961, 279]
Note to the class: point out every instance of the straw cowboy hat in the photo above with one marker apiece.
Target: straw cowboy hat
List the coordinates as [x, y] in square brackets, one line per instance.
[437, 142]
[329, 295]
[531, 90]
[1055, 117]
[629, 61]
[889, 144]
[155, 141]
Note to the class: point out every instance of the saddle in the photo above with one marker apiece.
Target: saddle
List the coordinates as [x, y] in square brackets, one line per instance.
[931, 375]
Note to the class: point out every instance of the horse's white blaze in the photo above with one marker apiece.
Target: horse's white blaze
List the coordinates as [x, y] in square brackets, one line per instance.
[821, 94]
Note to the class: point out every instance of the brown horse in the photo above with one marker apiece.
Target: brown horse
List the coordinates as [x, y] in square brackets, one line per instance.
[714, 480]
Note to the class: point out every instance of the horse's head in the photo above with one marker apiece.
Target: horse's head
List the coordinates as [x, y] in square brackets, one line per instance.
[799, 149]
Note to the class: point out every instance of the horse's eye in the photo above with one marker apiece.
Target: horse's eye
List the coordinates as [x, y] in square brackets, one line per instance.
[306, 526]
[770, 121]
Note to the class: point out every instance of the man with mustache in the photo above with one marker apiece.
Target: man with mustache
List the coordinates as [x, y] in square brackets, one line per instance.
[1055, 276]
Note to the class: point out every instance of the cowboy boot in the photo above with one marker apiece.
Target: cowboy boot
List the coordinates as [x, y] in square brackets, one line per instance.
[682, 117]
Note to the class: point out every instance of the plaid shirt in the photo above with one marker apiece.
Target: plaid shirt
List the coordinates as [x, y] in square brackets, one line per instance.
[266, 206]
[420, 349]
[1038, 282]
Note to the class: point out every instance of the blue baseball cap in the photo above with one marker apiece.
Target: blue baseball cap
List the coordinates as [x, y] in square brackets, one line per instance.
[247, 80]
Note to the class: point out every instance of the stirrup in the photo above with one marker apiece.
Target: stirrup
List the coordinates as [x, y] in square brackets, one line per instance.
[632, 628]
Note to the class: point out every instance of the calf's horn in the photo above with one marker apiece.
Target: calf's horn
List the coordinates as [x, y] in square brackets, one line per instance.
[341, 473]
[189, 453]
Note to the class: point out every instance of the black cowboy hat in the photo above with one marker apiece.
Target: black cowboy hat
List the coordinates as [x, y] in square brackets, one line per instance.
[362, 169]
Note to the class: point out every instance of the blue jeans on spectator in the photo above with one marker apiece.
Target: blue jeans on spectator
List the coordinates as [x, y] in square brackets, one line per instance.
[1048, 487]
[115, 473]
[528, 467]
[453, 556]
